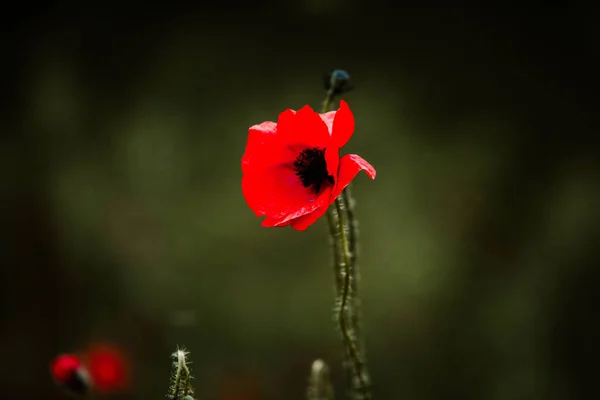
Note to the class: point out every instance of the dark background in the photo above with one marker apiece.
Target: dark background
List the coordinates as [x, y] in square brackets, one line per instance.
[123, 219]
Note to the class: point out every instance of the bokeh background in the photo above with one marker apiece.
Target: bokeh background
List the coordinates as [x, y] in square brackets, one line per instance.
[123, 219]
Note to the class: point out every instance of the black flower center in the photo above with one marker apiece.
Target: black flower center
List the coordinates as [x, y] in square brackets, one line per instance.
[311, 168]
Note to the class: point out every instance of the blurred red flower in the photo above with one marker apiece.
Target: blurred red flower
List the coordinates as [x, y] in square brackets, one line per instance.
[292, 170]
[108, 368]
[69, 372]
[64, 366]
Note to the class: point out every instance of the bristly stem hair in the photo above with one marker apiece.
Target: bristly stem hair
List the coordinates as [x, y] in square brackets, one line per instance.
[344, 235]
[181, 385]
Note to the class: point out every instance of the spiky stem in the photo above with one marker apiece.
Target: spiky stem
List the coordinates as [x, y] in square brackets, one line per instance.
[181, 385]
[344, 235]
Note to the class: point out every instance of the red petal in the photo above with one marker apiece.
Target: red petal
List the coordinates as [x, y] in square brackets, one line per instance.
[286, 120]
[350, 165]
[304, 208]
[252, 194]
[304, 127]
[307, 220]
[269, 222]
[343, 125]
[332, 159]
[328, 119]
[278, 193]
[264, 147]
[264, 151]
[332, 153]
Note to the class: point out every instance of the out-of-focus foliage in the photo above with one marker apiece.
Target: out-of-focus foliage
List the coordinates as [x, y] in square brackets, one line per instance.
[123, 218]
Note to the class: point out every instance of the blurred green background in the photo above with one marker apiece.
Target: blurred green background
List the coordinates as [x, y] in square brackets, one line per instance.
[123, 219]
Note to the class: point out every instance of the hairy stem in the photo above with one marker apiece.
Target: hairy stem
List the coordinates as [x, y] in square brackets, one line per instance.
[353, 231]
[343, 232]
[336, 248]
[348, 202]
[348, 313]
[181, 385]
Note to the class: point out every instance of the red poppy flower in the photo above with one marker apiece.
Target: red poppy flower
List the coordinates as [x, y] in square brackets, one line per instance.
[108, 368]
[292, 170]
[68, 371]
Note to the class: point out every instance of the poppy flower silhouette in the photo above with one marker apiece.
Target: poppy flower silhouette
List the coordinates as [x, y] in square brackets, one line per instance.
[292, 170]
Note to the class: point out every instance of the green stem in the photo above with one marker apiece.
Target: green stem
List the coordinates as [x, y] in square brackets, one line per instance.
[353, 232]
[348, 202]
[327, 102]
[181, 386]
[347, 311]
[343, 232]
[336, 248]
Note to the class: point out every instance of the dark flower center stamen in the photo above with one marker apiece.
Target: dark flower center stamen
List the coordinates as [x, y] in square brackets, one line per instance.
[311, 168]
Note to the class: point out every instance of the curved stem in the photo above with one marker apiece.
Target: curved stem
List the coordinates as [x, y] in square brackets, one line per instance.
[343, 232]
[327, 101]
[348, 202]
[347, 311]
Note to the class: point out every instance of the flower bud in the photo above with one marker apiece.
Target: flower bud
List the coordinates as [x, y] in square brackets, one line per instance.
[338, 81]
